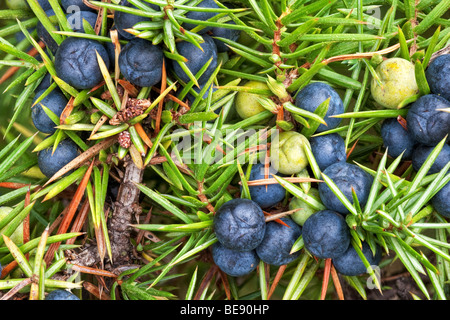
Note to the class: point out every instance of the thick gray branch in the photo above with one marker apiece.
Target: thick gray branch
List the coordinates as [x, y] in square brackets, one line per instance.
[125, 207]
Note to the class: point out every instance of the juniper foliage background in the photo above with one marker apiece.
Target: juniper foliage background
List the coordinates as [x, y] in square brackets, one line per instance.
[287, 44]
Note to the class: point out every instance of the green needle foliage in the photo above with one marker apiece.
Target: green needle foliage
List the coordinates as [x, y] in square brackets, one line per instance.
[286, 44]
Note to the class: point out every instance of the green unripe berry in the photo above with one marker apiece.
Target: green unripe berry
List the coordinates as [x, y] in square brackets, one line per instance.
[247, 104]
[398, 82]
[17, 235]
[306, 210]
[287, 152]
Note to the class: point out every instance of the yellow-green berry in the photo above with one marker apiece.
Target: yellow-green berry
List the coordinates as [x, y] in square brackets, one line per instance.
[397, 82]
[287, 152]
[247, 104]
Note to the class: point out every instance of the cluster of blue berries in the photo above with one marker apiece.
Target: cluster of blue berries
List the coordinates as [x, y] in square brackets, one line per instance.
[73, 54]
[51, 161]
[244, 238]
[244, 241]
[140, 63]
[426, 125]
[325, 233]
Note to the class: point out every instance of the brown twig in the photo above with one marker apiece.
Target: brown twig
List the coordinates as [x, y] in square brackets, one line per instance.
[204, 199]
[277, 37]
[125, 207]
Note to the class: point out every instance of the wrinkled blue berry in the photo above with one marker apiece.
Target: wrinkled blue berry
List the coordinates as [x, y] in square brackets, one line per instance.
[311, 96]
[76, 62]
[426, 124]
[441, 201]
[421, 153]
[275, 249]
[325, 234]
[350, 264]
[239, 224]
[438, 76]
[232, 262]
[141, 62]
[196, 59]
[397, 139]
[123, 20]
[268, 195]
[55, 101]
[50, 163]
[328, 149]
[61, 294]
[202, 16]
[346, 176]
